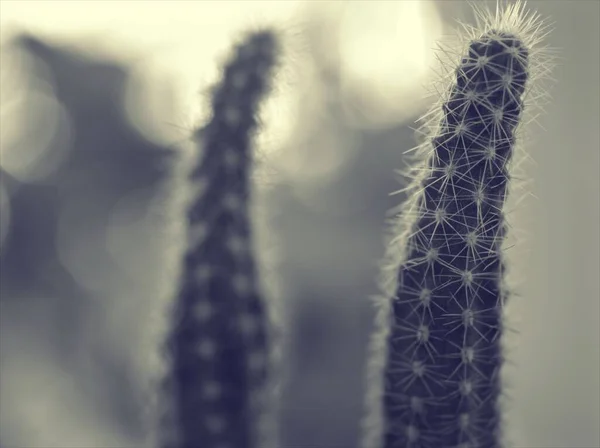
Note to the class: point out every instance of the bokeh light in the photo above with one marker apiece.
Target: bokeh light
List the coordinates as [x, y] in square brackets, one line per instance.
[386, 52]
[36, 131]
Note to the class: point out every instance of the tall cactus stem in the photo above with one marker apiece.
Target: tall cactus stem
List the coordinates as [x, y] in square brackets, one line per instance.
[218, 343]
[434, 378]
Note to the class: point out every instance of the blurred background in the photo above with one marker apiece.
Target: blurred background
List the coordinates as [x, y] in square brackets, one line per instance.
[96, 100]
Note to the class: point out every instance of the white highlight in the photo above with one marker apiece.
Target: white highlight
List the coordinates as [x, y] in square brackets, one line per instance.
[385, 57]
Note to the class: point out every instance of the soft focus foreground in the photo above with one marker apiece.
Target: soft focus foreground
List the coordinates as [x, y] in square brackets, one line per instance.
[87, 136]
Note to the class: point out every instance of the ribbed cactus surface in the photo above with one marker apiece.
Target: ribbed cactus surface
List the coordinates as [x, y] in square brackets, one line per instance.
[218, 345]
[438, 349]
[443, 367]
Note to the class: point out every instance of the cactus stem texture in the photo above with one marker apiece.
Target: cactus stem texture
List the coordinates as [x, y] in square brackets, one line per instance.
[434, 374]
[218, 342]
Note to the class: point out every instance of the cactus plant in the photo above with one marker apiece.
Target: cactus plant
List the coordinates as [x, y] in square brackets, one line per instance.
[434, 377]
[218, 343]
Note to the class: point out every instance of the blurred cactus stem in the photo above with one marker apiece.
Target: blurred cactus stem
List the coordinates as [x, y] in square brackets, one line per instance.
[437, 354]
[218, 345]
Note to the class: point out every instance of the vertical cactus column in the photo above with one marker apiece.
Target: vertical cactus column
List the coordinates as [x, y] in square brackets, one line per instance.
[438, 349]
[218, 345]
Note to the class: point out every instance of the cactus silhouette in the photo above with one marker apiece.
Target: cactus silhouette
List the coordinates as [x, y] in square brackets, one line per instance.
[218, 343]
[437, 353]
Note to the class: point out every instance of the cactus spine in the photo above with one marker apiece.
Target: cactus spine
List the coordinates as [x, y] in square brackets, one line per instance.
[434, 374]
[218, 341]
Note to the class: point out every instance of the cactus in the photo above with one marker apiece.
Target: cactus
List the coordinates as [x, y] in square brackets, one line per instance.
[218, 343]
[434, 375]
